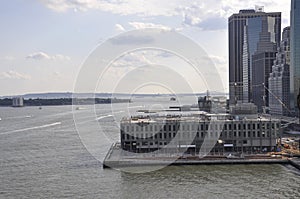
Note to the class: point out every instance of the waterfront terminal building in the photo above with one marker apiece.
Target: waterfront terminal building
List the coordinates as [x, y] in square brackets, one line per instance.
[242, 131]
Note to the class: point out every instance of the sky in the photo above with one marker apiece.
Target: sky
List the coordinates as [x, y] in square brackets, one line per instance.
[46, 43]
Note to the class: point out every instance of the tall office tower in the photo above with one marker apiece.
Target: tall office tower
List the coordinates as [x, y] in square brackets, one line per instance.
[246, 31]
[295, 53]
[279, 80]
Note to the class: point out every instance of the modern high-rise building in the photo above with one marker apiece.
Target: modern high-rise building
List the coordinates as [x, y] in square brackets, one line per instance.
[261, 68]
[250, 32]
[279, 80]
[295, 53]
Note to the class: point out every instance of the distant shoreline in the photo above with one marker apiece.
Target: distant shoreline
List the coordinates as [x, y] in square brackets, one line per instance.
[7, 102]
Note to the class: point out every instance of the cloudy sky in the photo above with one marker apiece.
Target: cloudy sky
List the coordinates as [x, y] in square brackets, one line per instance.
[44, 43]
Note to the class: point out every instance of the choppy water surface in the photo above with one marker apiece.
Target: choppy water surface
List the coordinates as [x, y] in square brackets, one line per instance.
[42, 156]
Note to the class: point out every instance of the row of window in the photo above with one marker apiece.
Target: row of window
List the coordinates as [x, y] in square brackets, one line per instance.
[193, 127]
[223, 135]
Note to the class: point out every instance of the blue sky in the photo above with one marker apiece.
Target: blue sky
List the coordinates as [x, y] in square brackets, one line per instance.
[45, 42]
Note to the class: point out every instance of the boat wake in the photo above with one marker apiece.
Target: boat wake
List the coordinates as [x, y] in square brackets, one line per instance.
[19, 117]
[31, 128]
[102, 117]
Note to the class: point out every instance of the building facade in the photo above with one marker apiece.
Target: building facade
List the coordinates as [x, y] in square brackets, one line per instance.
[250, 32]
[262, 63]
[279, 80]
[205, 134]
[17, 102]
[295, 54]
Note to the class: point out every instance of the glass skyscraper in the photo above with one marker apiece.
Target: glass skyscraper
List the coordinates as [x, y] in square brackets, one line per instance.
[247, 31]
[295, 53]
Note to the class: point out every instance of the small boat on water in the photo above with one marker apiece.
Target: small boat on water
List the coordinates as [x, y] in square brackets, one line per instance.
[40, 107]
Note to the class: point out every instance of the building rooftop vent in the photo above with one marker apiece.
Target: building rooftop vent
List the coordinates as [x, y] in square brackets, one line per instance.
[259, 8]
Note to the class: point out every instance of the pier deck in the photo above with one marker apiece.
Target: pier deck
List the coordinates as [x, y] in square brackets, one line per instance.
[117, 158]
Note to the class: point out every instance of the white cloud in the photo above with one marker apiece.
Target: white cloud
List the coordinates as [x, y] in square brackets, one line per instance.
[218, 60]
[141, 25]
[205, 14]
[122, 7]
[38, 56]
[119, 28]
[134, 59]
[14, 75]
[45, 56]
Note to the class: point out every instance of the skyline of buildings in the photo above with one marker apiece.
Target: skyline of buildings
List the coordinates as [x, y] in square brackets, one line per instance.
[264, 69]
[249, 31]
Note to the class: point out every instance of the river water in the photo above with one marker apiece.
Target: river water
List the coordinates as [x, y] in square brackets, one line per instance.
[55, 152]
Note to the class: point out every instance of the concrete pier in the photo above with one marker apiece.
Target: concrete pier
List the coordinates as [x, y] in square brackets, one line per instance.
[117, 158]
